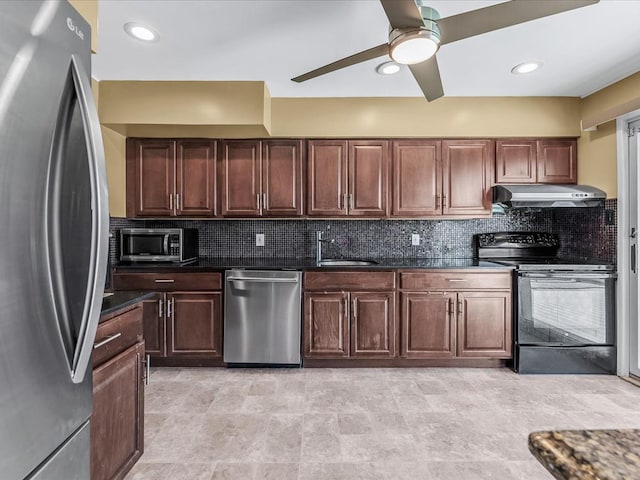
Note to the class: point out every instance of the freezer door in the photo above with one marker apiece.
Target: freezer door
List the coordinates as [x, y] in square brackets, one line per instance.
[54, 233]
[70, 462]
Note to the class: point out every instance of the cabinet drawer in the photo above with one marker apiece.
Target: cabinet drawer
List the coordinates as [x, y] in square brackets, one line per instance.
[349, 280]
[163, 282]
[454, 280]
[116, 335]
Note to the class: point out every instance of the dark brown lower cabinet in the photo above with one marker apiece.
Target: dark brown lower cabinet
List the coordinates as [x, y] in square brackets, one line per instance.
[326, 325]
[373, 332]
[183, 322]
[154, 326]
[194, 324]
[441, 322]
[117, 421]
[428, 325]
[349, 324]
[484, 324]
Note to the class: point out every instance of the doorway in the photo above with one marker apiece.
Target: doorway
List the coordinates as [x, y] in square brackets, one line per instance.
[628, 247]
[633, 134]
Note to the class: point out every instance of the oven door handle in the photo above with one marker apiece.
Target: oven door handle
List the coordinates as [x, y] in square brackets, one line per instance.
[569, 275]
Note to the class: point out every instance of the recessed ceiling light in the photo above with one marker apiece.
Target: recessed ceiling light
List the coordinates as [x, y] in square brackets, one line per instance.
[140, 32]
[388, 68]
[526, 67]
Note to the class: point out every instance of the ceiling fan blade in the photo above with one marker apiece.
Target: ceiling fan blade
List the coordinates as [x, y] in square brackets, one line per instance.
[363, 56]
[427, 74]
[495, 17]
[402, 13]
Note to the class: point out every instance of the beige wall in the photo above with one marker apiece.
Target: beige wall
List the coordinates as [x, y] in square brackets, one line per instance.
[130, 107]
[597, 161]
[415, 117]
[89, 10]
[114, 147]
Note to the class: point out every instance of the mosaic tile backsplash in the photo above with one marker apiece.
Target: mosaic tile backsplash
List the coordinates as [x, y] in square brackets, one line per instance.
[583, 232]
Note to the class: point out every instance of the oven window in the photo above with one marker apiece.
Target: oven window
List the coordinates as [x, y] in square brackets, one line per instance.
[565, 310]
[145, 244]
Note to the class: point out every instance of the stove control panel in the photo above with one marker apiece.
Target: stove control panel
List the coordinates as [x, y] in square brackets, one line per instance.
[517, 240]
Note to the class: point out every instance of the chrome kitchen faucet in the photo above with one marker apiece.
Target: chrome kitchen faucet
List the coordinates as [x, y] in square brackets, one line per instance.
[319, 242]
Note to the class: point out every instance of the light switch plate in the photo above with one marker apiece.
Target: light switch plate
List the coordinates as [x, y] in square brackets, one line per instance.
[415, 239]
[259, 239]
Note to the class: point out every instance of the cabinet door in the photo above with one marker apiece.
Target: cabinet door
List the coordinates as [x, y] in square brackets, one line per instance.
[373, 332]
[417, 178]
[484, 324]
[150, 178]
[326, 325]
[516, 161]
[557, 160]
[282, 178]
[194, 324]
[327, 178]
[467, 167]
[153, 325]
[241, 178]
[196, 179]
[368, 178]
[118, 413]
[428, 325]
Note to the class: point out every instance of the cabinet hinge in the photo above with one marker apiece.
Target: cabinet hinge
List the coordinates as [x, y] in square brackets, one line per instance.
[631, 131]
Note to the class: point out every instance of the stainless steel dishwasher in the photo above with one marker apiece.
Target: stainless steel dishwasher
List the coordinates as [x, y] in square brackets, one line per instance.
[262, 317]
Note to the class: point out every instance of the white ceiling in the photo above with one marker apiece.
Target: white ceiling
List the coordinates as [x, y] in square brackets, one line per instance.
[274, 40]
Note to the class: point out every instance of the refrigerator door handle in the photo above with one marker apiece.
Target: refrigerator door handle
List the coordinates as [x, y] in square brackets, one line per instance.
[99, 222]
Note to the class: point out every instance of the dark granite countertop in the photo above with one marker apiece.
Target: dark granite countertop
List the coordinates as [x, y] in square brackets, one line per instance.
[588, 454]
[310, 263]
[120, 300]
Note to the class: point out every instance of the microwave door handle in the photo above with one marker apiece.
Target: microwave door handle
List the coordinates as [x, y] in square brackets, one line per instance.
[99, 222]
[165, 246]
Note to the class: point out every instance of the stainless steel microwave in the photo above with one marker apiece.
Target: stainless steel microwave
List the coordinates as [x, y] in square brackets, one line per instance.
[176, 245]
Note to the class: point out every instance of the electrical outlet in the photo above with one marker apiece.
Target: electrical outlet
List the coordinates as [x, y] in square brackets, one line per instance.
[610, 217]
[259, 239]
[415, 239]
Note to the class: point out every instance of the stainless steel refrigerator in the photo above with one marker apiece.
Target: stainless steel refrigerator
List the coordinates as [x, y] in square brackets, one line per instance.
[53, 240]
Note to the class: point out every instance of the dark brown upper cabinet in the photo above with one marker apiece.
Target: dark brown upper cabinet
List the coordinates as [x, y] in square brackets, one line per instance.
[557, 161]
[536, 161]
[436, 178]
[348, 178]
[466, 181]
[417, 178]
[261, 178]
[171, 178]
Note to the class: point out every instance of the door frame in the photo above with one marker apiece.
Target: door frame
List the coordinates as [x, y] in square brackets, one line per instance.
[623, 326]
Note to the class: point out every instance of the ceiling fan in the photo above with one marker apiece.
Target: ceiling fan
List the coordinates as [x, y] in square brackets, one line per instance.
[417, 32]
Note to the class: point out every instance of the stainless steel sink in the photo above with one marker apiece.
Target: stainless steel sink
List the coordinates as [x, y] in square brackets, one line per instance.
[340, 262]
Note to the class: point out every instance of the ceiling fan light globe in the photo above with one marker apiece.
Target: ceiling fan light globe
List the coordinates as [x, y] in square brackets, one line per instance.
[415, 46]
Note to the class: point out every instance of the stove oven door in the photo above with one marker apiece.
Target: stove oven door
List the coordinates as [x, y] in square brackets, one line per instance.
[566, 309]
[565, 323]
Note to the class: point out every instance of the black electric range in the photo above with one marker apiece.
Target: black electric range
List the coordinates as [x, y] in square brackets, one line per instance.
[564, 308]
[531, 251]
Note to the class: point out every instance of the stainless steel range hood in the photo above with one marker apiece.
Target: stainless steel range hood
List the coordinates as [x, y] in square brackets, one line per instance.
[549, 196]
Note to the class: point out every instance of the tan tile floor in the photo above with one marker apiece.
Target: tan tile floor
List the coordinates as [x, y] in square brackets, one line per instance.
[304, 424]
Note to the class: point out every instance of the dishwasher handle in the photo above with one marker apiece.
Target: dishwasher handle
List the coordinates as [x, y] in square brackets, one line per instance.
[262, 280]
